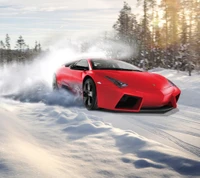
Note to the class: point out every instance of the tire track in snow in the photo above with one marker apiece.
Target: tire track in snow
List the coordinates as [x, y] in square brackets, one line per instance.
[159, 132]
[158, 129]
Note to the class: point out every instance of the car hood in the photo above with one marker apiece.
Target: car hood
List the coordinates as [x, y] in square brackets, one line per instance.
[138, 80]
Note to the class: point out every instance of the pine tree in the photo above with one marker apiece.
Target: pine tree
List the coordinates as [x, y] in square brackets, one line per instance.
[148, 31]
[2, 51]
[184, 26]
[124, 24]
[8, 49]
[20, 45]
[145, 30]
[157, 43]
[39, 47]
[7, 42]
[36, 46]
[196, 34]
[171, 9]
[128, 30]
[2, 46]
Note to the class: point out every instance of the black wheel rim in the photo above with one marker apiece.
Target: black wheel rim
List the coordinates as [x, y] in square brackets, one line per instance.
[88, 94]
[55, 86]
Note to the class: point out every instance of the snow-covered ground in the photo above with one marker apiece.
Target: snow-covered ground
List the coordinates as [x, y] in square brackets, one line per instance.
[45, 134]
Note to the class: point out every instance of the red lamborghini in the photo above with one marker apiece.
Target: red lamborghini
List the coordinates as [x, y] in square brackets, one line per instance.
[117, 85]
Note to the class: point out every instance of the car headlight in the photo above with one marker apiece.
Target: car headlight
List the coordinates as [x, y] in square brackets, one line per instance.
[117, 82]
[171, 82]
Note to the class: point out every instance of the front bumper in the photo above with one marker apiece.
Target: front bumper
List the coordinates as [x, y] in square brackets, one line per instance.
[129, 100]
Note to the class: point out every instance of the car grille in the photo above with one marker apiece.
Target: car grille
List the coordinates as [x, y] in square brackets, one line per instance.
[129, 102]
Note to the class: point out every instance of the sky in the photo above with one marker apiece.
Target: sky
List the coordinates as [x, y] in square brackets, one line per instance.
[47, 21]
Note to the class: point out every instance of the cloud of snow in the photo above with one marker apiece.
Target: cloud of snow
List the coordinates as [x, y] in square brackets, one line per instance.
[32, 82]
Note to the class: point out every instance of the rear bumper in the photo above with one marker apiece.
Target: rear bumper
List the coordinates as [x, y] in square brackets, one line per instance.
[127, 100]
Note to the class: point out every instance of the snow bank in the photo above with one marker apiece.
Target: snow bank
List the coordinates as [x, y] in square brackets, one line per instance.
[51, 141]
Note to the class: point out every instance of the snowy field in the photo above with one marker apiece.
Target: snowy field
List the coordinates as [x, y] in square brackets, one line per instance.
[51, 135]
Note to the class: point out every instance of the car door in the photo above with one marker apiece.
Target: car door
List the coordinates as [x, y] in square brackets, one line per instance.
[78, 71]
[65, 77]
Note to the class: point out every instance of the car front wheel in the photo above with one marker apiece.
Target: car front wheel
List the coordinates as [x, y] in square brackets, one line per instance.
[54, 84]
[89, 94]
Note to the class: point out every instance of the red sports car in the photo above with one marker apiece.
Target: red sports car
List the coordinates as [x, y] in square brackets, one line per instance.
[117, 85]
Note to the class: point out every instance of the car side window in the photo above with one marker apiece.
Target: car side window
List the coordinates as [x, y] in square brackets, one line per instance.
[69, 64]
[81, 65]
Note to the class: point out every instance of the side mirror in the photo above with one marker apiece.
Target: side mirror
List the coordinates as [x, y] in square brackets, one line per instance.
[72, 66]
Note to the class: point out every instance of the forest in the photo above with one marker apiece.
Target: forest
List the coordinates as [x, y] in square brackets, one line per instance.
[20, 53]
[167, 35]
[164, 34]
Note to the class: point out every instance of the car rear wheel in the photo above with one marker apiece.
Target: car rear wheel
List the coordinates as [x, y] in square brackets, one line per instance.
[89, 94]
[55, 85]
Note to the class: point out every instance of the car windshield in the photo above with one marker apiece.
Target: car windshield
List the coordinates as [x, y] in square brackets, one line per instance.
[111, 64]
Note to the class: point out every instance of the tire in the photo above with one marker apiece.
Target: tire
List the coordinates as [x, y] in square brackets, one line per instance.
[54, 84]
[89, 94]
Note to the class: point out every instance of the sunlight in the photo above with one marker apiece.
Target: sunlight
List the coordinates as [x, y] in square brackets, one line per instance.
[158, 21]
[161, 23]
